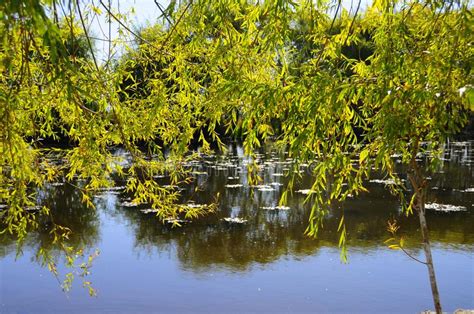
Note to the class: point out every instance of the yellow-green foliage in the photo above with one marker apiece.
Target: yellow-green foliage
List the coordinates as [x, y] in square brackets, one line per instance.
[273, 69]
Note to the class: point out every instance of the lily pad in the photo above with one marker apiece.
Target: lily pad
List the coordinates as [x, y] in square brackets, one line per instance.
[235, 220]
[445, 207]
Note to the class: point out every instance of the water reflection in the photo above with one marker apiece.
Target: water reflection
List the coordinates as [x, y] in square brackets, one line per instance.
[68, 211]
[269, 233]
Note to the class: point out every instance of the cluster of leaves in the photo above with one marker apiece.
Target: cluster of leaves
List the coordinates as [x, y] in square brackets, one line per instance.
[52, 88]
[288, 71]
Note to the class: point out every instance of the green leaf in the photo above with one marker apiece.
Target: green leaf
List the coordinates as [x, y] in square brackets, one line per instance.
[363, 155]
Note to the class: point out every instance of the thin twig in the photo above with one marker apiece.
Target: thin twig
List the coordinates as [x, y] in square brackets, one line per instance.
[87, 35]
[163, 13]
[352, 22]
[330, 29]
[174, 26]
[122, 24]
[412, 257]
[110, 35]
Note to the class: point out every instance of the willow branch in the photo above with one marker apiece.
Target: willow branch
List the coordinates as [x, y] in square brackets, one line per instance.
[352, 22]
[412, 257]
[163, 13]
[87, 35]
[174, 26]
[330, 29]
[122, 24]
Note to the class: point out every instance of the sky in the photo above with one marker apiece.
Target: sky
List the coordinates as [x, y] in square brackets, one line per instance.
[145, 12]
[139, 13]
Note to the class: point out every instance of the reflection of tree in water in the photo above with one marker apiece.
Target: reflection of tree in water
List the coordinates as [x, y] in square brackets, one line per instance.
[210, 241]
[269, 235]
[68, 211]
[7, 245]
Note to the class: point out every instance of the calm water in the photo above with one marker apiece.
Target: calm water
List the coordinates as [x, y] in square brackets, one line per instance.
[264, 265]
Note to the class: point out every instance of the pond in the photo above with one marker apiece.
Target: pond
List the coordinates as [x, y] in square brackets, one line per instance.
[266, 263]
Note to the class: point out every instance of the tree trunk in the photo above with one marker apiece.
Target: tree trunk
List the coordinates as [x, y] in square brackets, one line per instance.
[427, 248]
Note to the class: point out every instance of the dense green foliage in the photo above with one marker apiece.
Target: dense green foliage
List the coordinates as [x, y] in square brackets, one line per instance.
[347, 90]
